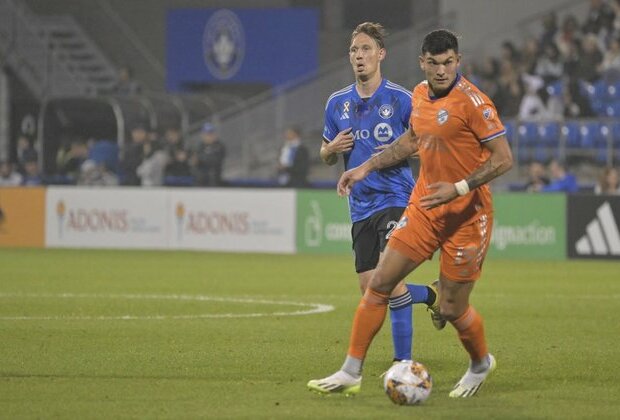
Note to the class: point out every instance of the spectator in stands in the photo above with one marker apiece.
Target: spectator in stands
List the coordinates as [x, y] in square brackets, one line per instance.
[590, 59]
[576, 105]
[610, 67]
[550, 29]
[178, 165]
[151, 169]
[510, 91]
[294, 160]
[32, 176]
[25, 153]
[549, 65]
[489, 68]
[561, 180]
[609, 182]
[599, 20]
[125, 84]
[537, 178]
[94, 173]
[172, 140]
[208, 159]
[510, 54]
[134, 154]
[532, 107]
[568, 36]
[615, 26]
[9, 177]
[529, 56]
[69, 160]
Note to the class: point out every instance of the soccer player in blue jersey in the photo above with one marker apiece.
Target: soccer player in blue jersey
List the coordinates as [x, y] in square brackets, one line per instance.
[361, 120]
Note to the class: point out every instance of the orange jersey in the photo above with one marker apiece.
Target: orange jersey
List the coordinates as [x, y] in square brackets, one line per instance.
[451, 131]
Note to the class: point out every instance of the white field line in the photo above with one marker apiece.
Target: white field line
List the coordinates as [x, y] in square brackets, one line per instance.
[310, 308]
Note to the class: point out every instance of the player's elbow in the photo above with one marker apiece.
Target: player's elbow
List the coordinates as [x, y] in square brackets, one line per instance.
[330, 160]
[508, 161]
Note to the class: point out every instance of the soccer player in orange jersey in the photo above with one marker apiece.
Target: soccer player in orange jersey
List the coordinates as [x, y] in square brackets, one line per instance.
[462, 146]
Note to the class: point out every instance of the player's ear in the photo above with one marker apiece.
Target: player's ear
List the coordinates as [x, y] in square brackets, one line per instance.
[382, 53]
[421, 59]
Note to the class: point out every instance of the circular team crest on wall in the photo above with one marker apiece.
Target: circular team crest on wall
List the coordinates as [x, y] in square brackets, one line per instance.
[223, 44]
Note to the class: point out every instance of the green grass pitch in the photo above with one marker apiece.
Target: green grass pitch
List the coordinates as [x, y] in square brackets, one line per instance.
[64, 353]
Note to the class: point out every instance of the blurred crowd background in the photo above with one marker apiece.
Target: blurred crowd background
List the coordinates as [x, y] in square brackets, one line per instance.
[231, 93]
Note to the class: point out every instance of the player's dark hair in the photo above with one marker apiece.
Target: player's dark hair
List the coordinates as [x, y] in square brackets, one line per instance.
[440, 41]
[374, 30]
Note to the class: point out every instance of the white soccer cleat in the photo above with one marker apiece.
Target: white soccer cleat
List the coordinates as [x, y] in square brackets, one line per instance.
[471, 382]
[338, 383]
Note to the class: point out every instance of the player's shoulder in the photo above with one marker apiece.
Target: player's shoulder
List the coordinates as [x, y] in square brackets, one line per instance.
[421, 88]
[468, 92]
[397, 89]
[345, 91]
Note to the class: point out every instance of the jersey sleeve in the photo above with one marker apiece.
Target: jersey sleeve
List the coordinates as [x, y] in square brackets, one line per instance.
[483, 119]
[330, 130]
[406, 110]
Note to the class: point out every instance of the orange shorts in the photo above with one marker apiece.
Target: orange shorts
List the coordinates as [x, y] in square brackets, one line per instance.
[463, 247]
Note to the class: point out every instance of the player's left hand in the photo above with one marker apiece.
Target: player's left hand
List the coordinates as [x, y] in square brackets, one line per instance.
[441, 193]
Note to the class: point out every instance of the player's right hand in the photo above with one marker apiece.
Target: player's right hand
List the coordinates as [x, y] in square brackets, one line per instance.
[348, 178]
[343, 142]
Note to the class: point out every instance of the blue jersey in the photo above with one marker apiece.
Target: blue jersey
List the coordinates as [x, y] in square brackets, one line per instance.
[375, 121]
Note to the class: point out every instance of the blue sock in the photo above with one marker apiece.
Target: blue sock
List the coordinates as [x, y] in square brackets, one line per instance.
[419, 293]
[401, 314]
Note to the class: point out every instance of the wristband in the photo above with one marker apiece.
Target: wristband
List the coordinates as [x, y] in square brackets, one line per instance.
[462, 187]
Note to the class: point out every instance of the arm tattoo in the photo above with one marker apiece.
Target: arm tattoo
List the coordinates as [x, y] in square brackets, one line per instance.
[486, 172]
[396, 152]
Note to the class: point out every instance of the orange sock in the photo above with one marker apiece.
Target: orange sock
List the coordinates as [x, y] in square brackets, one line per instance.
[367, 322]
[471, 332]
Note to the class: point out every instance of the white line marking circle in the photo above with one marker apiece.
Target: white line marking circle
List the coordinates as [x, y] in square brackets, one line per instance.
[311, 308]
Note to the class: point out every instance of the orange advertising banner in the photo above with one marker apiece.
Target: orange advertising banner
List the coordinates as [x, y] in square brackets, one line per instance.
[22, 217]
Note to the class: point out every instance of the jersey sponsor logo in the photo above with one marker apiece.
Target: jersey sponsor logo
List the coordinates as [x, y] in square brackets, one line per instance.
[361, 134]
[487, 113]
[442, 116]
[386, 111]
[383, 132]
[345, 111]
[601, 236]
[223, 44]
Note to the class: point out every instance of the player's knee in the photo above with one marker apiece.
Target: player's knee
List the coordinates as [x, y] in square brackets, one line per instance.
[381, 283]
[449, 310]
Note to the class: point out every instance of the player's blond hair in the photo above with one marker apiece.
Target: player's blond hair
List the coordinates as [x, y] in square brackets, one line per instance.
[374, 30]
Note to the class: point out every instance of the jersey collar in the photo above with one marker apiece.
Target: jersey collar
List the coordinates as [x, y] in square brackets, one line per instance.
[456, 80]
[357, 96]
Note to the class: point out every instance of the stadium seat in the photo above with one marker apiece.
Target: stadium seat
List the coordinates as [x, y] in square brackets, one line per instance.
[614, 127]
[592, 134]
[510, 130]
[549, 133]
[612, 110]
[556, 88]
[597, 90]
[571, 134]
[528, 133]
[613, 91]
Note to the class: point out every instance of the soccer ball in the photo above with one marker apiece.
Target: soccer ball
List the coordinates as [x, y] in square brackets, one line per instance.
[407, 383]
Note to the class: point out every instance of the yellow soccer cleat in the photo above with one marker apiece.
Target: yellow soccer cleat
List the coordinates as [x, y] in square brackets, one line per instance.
[338, 383]
[439, 322]
[471, 382]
